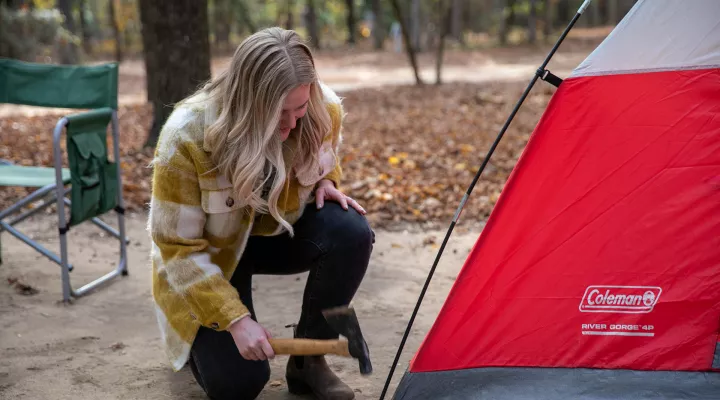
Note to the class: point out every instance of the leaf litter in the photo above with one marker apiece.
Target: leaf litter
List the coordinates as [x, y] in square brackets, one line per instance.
[408, 152]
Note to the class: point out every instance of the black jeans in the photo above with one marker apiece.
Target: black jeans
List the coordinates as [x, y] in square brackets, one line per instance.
[331, 243]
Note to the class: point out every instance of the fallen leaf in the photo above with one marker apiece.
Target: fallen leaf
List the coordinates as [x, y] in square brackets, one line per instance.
[429, 240]
[117, 346]
[22, 288]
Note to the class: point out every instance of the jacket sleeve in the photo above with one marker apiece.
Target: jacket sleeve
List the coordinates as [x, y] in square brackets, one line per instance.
[335, 110]
[176, 226]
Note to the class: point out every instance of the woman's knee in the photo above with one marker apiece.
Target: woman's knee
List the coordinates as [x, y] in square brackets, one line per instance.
[350, 229]
[245, 384]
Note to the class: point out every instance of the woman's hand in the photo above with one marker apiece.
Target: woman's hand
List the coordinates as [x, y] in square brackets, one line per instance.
[326, 190]
[251, 339]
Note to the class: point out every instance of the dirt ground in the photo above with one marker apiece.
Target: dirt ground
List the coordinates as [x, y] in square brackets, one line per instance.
[106, 345]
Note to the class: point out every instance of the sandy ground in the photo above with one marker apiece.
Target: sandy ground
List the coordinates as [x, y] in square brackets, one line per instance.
[106, 345]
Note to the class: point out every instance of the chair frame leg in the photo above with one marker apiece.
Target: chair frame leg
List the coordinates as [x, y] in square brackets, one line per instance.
[58, 192]
[59, 196]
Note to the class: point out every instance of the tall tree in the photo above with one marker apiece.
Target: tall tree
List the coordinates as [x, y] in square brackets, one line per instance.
[245, 15]
[563, 11]
[415, 24]
[222, 18]
[456, 23]
[507, 20]
[378, 25]
[13, 4]
[177, 54]
[68, 49]
[112, 12]
[595, 14]
[548, 25]
[84, 28]
[613, 8]
[532, 22]
[406, 36]
[290, 21]
[311, 23]
[350, 4]
[445, 12]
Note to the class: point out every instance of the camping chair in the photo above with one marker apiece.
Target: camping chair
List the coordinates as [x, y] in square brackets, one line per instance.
[92, 181]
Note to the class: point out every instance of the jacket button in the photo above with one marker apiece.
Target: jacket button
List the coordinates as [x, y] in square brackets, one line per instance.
[215, 325]
[229, 202]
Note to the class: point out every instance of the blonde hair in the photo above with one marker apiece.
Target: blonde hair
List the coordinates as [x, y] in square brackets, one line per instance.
[244, 141]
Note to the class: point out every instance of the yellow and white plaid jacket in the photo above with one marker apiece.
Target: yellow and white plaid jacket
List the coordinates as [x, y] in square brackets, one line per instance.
[199, 228]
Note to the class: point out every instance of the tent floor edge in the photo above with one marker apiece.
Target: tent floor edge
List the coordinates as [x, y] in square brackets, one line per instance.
[537, 383]
[404, 386]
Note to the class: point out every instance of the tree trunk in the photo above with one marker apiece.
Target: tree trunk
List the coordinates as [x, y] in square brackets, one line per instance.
[177, 54]
[594, 19]
[221, 24]
[507, 20]
[563, 11]
[311, 24]
[68, 50]
[456, 23]
[625, 7]
[549, 20]
[350, 21]
[15, 4]
[245, 16]
[85, 29]
[406, 35]
[613, 12]
[532, 22]
[378, 25]
[415, 24]
[445, 12]
[116, 31]
[289, 22]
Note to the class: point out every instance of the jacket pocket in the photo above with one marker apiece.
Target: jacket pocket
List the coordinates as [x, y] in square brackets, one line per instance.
[224, 216]
[215, 201]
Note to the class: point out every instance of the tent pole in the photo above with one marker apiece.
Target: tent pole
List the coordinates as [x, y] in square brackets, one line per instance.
[541, 73]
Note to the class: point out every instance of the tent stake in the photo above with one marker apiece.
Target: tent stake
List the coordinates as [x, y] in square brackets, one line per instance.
[540, 73]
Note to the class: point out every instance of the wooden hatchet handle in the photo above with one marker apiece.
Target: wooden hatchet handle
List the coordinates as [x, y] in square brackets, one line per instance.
[309, 347]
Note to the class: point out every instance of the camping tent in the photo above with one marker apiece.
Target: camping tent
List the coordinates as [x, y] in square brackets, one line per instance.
[597, 275]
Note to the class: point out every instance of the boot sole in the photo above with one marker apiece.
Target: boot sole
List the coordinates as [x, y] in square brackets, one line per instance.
[300, 388]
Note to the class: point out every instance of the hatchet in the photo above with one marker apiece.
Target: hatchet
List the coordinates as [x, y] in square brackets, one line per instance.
[344, 321]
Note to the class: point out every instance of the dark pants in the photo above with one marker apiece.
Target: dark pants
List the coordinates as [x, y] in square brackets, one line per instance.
[331, 243]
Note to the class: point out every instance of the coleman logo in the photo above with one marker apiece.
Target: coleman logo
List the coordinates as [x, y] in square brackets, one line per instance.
[620, 299]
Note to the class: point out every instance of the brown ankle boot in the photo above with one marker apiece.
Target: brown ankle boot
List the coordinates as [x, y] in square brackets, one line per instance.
[307, 375]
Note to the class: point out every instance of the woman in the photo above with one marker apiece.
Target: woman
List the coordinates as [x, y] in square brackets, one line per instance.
[245, 182]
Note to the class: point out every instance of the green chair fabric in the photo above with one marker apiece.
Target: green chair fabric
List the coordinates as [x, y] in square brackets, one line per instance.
[94, 188]
[21, 176]
[94, 180]
[62, 86]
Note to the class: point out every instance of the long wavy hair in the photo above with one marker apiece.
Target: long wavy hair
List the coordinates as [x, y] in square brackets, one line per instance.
[244, 141]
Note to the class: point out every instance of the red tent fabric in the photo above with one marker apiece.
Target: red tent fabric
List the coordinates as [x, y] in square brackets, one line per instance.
[599, 268]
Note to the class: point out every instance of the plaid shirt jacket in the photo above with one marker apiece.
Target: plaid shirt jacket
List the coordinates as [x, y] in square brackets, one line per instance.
[199, 228]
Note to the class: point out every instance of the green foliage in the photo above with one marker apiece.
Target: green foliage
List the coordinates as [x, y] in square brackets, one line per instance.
[32, 35]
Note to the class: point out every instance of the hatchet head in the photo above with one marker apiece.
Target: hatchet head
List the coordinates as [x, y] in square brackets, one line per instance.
[344, 321]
